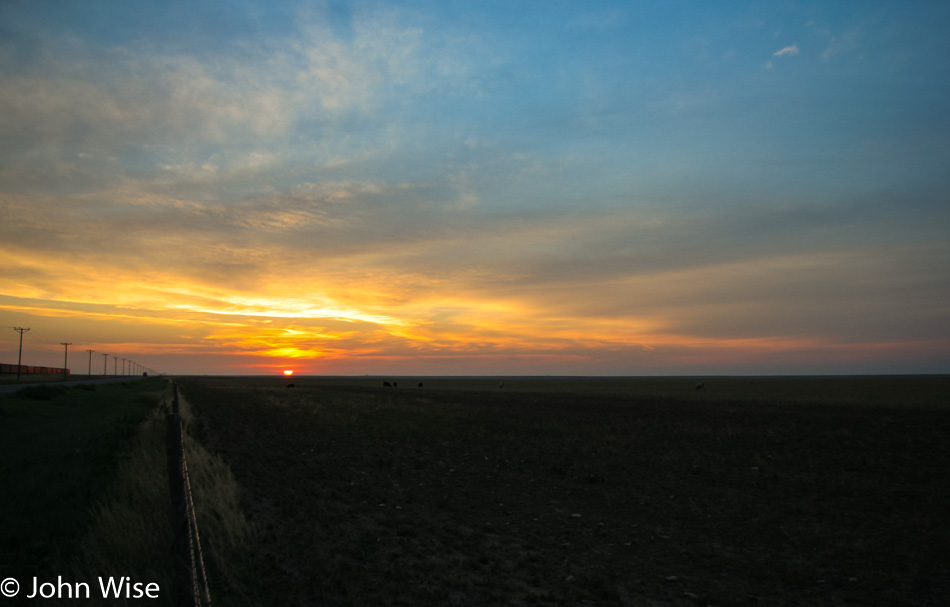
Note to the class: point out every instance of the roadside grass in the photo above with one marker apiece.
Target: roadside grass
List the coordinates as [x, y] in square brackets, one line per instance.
[59, 448]
[768, 491]
[130, 530]
[222, 525]
[88, 490]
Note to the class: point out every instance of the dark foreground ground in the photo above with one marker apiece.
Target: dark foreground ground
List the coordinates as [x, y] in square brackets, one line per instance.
[595, 492]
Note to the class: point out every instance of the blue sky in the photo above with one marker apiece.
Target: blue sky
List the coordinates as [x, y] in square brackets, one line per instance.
[431, 187]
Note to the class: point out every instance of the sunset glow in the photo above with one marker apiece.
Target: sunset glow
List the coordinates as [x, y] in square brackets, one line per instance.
[432, 188]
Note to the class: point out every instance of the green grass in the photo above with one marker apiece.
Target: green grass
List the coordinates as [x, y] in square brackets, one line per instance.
[131, 531]
[88, 490]
[59, 449]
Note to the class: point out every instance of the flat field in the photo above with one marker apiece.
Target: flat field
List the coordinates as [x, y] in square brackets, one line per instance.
[589, 491]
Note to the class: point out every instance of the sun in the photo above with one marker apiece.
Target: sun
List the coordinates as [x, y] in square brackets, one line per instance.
[289, 372]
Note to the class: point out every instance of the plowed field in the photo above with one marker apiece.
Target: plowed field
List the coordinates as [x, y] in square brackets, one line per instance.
[587, 493]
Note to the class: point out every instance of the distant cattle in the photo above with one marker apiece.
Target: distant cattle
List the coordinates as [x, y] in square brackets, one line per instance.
[501, 385]
[420, 384]
[387, 384]
[700, 386]
[290, 386]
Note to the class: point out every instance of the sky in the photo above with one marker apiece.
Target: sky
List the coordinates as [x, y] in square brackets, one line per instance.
[476, 188]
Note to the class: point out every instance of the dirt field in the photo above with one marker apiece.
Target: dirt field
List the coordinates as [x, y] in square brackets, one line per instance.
[817, 491]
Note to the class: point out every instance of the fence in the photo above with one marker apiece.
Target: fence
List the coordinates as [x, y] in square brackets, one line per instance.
[186, 550]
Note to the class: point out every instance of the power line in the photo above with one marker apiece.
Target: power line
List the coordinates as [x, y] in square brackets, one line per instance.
[129, 366]
[43, 338]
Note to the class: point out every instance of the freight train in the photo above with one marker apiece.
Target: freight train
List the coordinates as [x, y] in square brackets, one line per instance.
[31, 370]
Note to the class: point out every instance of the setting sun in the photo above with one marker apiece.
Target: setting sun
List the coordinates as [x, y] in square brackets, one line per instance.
[289, 372]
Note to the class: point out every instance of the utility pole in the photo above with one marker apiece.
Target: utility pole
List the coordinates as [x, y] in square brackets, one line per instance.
[65, 356]
[105, 359]
[90, 362]
[20, 359]
[115, 365]
[123, 365]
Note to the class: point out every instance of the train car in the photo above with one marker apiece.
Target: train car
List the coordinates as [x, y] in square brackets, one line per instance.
[6, 369]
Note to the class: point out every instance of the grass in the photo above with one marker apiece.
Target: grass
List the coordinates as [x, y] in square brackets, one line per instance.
[89, 489]
[130, 530]
[223, 528]
[764, 491]
[59, 448]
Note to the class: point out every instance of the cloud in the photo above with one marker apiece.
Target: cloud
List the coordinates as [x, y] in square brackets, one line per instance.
[392, 186]
[73, 98]
[788, 50]
[847, 42]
